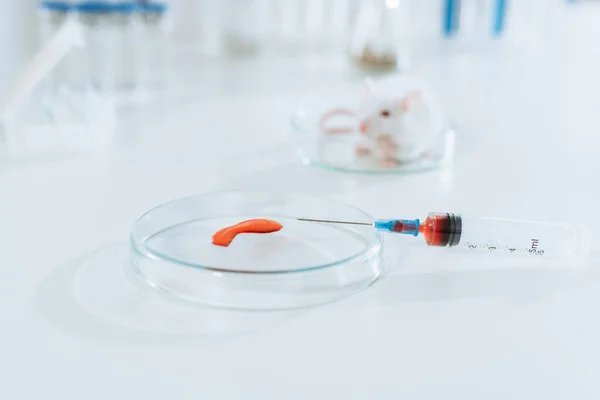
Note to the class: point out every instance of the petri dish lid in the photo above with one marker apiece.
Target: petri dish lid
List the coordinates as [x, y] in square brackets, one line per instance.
[338, 152]
[329, 135]
[303, 264]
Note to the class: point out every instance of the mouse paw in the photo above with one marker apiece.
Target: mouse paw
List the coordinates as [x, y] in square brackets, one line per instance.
[389, 162]
[388, 146]
[362, 151]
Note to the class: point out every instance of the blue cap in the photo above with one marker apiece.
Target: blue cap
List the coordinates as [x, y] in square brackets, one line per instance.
[157, 7]
[499, 17]
[63, 6]
[126, 7]
[93, 7]
[451, 17]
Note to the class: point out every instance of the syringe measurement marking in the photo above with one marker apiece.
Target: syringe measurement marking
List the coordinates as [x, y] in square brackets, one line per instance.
[534, 250]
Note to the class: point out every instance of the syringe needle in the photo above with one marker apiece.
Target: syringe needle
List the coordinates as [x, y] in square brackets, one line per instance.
[335, 222]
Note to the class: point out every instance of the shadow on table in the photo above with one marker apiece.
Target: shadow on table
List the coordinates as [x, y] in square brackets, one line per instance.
[97, 298]
[515, 285]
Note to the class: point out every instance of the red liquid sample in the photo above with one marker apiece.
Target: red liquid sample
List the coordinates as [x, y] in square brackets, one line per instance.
[225, 236]
[441, 229]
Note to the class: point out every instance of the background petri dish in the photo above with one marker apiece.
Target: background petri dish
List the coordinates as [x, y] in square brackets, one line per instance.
[306, 263]
[337, 151]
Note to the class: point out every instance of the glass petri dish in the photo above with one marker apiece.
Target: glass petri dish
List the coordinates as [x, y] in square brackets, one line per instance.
[304, 264]
[337, 151]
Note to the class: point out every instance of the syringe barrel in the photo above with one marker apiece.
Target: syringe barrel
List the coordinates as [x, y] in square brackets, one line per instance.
[498, 235]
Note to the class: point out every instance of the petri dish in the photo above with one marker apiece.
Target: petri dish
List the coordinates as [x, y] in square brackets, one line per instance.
[337, 151]
[304, 264]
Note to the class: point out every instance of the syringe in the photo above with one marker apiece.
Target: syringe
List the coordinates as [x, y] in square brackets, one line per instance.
[491, 235]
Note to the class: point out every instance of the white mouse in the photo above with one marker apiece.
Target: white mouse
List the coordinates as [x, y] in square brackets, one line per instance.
[391, 122]
[397, 118]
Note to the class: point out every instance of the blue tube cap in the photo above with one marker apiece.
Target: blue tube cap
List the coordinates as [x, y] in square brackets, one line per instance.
[154, 7]
[100, 7]
[61, 6]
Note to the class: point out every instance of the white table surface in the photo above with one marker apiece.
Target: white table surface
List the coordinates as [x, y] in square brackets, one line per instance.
[436, 326]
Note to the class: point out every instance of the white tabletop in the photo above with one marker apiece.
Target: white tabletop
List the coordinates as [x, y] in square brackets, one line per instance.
[434, 326]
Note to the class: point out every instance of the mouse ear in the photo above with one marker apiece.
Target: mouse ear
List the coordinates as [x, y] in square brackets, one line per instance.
[410, 100]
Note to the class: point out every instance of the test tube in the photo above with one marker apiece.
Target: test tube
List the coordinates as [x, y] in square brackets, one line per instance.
[112, 28]
[451, 17]
[52, 15]
[154, 51]
[499, 17]
[474, 19]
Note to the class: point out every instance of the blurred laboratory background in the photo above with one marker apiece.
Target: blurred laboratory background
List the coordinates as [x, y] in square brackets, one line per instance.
[109, 108]
[97, 57]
